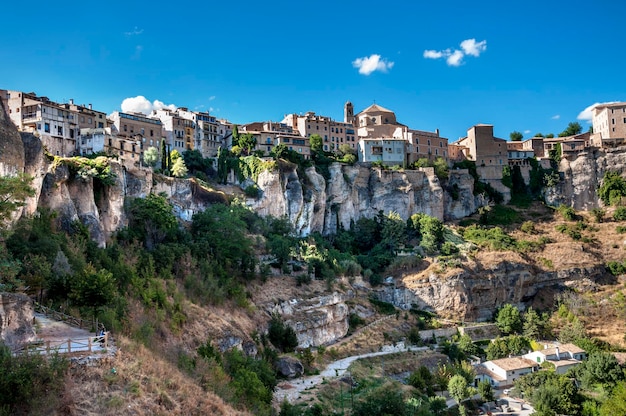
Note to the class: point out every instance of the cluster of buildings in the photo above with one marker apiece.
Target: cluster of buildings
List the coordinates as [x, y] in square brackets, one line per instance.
[503, 372]
[374, 134]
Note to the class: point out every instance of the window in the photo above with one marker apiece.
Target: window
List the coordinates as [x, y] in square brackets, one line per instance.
[38, 126]
[612, 121]
[60, 130]
[151, 133]
[89, 120]
[125, 127]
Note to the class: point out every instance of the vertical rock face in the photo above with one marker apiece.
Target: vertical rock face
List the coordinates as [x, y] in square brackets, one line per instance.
[582, 177]
[313, 203]
[474, 294]
[317, 321]
[11, 147]
[16, 319]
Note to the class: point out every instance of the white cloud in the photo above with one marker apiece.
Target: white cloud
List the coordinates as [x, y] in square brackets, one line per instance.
[431, 54]
[471, 47]
[526, 131]
[587, 114]
[367, 65]
[211, 98]
[556, 117]
[141, 104]
[135, 31]
[160, 105]
[455, 57]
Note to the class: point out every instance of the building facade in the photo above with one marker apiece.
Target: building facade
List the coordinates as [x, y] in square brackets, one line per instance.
[609, 121]
[56, 126]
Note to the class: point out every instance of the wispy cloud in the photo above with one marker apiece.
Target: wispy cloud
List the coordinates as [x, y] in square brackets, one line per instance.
[454, 57]
[211, 98]
[137, 55]
[587, 113]
[526, 131]
[141, 104]
[369, 64]
[136, 31]
[556, 117]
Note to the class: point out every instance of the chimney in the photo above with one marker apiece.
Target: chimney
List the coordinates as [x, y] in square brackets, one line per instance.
[90, 107]
[72, 101]
[558, 356]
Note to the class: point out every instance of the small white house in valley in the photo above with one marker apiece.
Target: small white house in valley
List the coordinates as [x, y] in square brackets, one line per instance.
[563, 357]
[504, 371]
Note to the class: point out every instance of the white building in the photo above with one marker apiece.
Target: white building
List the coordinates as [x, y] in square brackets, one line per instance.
[504, 371]
[563, 357]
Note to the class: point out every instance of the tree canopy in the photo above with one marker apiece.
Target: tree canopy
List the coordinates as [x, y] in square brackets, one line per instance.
[516, 136]
[13, 192]
[572, 129]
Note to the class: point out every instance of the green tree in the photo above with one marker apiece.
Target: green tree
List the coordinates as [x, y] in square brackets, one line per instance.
[616, 403]
[572, 129]
[467, 346]
[247, 143]
[282, 336]
[516, 136]
[549, 135]
[535, 326]
[151, 219]
[538, 135]
[94, 289]
[164, 157]
[437, 405]
[509, 320]
[383, 401]
[279, 151]
[151, 156]
[235, 135]
[179, 169]
[459, 391]
[486, 391]
[600, 368]
[13, 192]
[175, 155]
[316, 142]
[422, 379]
[613, 188]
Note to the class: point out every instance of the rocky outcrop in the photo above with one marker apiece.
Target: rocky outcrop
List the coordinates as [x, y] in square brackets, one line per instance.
[11, 147]
[289, 367]
[317, 321]
[581, 177]
[16, 319]
[473, 295]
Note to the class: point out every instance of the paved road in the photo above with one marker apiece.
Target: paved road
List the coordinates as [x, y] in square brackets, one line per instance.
[292, 389]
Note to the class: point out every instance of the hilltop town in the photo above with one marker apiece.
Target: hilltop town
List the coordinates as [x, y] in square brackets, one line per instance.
[374, 135]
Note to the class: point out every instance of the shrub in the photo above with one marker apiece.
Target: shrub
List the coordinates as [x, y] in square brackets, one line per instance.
[598, 214]
[448, 248]
[252, 191]
[528, 227]
[613, 188]
[620, 214]
[282, 336]
[620, 229]
[566, 212]
[494, 238]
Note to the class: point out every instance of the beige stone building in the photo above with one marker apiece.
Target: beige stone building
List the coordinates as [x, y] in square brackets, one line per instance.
[132, 133]
[377, 122]
[609, 125]
[270, 134]
[333, 133]
[56, 126]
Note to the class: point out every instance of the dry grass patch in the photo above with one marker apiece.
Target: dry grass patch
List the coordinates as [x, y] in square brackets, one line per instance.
[138, 382]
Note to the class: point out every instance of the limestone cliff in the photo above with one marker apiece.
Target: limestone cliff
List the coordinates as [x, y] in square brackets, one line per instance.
[317, 321]
[473, 294]
[11, 148]
[582, 177]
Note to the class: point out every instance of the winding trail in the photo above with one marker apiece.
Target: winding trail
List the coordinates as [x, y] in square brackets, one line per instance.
[291, 390]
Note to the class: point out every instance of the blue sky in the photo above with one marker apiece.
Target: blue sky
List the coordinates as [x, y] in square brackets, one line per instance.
[529, 66]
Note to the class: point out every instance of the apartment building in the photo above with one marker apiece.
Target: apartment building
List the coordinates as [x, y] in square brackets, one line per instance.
[131, 134]
[56, 126]
[333, 133]
[389, 151]
[207, 133]
[179, 132]
[270, 134]
[609, 124]
[93, 126]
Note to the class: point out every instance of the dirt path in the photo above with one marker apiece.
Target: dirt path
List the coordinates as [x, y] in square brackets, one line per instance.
[291, 390]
